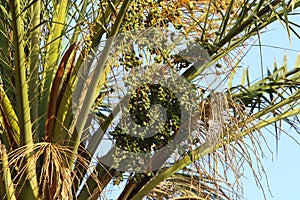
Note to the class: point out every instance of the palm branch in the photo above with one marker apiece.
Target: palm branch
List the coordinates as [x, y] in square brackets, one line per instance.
[47, 150]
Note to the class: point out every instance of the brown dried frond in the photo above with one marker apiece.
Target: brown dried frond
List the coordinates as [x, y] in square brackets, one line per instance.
[227, 162]
[220, 173]
[56, 178]
[190, 183]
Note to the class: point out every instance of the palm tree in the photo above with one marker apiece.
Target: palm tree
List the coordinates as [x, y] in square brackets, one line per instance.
[56, 90]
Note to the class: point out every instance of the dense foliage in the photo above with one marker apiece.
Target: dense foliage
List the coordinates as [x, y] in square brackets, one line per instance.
[65, 65]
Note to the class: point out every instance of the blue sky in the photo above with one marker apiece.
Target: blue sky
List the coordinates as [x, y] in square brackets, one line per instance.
[283, 169]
